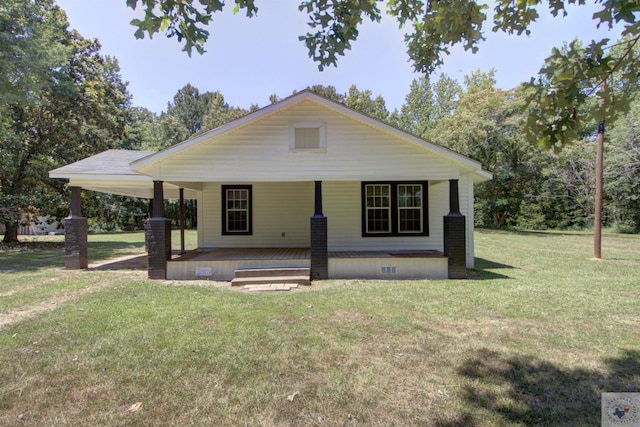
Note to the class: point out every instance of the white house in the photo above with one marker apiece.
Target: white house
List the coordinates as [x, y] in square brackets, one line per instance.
[305, 182]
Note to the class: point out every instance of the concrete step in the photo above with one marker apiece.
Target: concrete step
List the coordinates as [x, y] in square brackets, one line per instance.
[271, 287]
[272, 272]
[243, 281]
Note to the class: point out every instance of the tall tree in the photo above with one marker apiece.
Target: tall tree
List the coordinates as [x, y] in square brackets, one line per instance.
[486, 126]
[73, 107]
[426, 104]
[220, 112]
[329, 92]
[364, 102]
[189, 106]
[622, 173]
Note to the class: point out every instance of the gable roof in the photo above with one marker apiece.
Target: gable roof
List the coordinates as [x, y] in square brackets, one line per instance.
[144, 162]
[110, 162]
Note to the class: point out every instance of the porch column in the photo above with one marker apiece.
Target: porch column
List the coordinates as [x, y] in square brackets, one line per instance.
[146, 226]
[158, 236]
[455, 235]
[319, 258]
[75, 234]
[182, 221]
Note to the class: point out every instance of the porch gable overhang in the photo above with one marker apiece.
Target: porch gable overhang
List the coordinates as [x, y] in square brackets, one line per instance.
[110, 172]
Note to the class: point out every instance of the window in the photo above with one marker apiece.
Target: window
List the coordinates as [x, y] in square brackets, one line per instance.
[378, 206]
[308, 136]
[394, 208]
[236, 210]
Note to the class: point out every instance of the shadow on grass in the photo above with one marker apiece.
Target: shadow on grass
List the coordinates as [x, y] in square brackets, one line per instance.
[534, 233]
[530, 391]
[482, 267]
[35, 256]
[135, 262]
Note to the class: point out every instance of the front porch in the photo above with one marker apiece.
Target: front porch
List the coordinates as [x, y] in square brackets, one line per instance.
[221, 264]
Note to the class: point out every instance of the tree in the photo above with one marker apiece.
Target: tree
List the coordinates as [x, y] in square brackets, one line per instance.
[165, 131]
[139, 129]
[486, 126]
[623, 173]
[189, 106]
[221, 113]
[433, 28]
[329, 92]
[71, 108]
[364, 102]
[426, 104]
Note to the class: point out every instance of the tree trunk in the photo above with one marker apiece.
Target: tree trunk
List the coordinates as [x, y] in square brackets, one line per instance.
[10, 234]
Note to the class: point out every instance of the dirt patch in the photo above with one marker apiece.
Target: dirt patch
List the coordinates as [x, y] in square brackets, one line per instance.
[54, 302]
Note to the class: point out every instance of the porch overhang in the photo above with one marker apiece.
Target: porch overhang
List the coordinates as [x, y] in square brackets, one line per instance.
[110, 172]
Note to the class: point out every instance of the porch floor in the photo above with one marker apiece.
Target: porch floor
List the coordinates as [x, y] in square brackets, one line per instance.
[237, 254]
[222, 264]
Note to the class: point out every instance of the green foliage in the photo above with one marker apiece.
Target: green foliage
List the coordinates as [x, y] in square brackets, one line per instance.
[437, 26]
[572, 76]
[426, 104]
[336, 26]
[220, 113]
[364, 102]
[485, 126]
[189, 106]
[329, 92]
[183, 19]
[59, 107]
[622, 175]
[557, 97]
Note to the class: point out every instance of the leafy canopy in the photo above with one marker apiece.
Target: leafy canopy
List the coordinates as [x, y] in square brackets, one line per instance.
[60, 101]
[569, 77]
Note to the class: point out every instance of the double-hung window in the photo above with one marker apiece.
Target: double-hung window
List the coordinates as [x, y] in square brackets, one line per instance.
[236, 210]
[394, 208]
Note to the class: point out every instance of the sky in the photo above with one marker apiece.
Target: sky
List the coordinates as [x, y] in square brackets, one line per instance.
[247, 60]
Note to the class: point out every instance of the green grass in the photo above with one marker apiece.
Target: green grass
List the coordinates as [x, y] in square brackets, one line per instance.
[532, 338]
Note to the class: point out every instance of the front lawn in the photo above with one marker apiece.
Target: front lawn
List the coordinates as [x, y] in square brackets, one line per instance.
[533, 338]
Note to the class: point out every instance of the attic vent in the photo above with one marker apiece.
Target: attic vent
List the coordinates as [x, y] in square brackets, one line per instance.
[308, 136]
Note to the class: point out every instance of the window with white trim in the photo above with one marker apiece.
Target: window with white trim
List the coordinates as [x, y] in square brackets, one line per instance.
[394, 208]
[236, 209]
[308, 136]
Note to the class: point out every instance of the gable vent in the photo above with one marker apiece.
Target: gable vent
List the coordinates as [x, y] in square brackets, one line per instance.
[307, 138]
[308, 135]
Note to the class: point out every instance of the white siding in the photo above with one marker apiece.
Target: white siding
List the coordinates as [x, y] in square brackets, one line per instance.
[403, 268]
[259, 152]
[343, 208]
[277, 208]
[287, 207]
